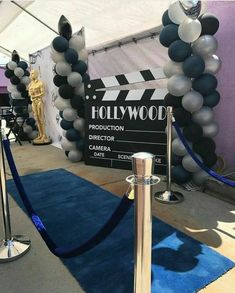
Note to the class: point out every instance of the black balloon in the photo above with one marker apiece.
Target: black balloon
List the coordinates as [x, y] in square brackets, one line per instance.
[212, 100]
[166, 19]
[9, 73]
[205, 84]
[19, 103]
[66, 91]
[64, 27]
[204, 147]
[193, 132]
[21, 87]
[193, 66]
[26, 73]
[15, 56]
[176, 160]
[81, 112]
[210, 160]
[168, 35]
[31, 121]
[182, 117]
[60, 44]
[23, 65]
[66, 124]
[72, 134]
[86, 77]
[25, 94]
[15, 80]
[80, 145]
[59, 80]
[172, 101]
[71, 56]
[80, 67]
[210, 24]
[180, 175]
[178, 51]
[77, 102]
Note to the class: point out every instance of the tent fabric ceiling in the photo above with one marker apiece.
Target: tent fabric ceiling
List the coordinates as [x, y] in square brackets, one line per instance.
[104, 21]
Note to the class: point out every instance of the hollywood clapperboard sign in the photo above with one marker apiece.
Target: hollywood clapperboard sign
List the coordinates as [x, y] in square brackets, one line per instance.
[120, 123]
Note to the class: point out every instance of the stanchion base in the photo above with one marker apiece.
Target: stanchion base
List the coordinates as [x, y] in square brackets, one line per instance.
[169, 197]
[13, 249]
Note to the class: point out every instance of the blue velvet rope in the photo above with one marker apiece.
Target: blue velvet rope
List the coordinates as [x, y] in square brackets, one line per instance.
[65, 252]
[200, 164]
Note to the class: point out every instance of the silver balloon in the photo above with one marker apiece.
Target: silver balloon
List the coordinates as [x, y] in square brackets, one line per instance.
[75, 156]
[25, 80]
[57, 56]
[83, 55]
[204, 116]
[178, 148]
[210, 130]
[77, 42]
[191, 8]
[11, 88]
[190, 30]
[212, 64]
[12, 65]
[19, 72]
[199, 178]
[16, 95]
[68, 145]
[80, 90]
[62, 104]
[70, 114]
[74, 79]
[179, 85]
[79, 124]
[172, 68]
[63, 68]
[33, 134]
[27, 129]
[176, 13]
[205, 45]
[192, 101]
[190, 165]
[30, 109]
[19, 121]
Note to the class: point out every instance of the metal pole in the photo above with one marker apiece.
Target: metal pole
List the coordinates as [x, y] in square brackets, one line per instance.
[11, 247]
[169, 196]
[143, 164]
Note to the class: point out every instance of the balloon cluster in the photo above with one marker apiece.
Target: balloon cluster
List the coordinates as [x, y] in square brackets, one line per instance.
[17, 72]
[70, 56]
[191, 85]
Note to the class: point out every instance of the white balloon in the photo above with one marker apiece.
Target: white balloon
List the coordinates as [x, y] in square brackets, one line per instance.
[70, 114]
[11, 88]
[19, 121]
[176, 13]
[30, 108]
[68, 145]
[79, 124]
[75, 156]
[179, 85]
[199, 178]
[17, 95]
[27, 129]
[190, 30]
[178, 147]
[74, 79]
[77, 42]
[212, 64]
[12, 65]
[204, 116]
[80, 90]
[63, 68]
[19, 72]
[192, 101]
[210, 130]
[172, 68]
[57, 56]
[83, 55]
[25, 80]
[205, 45]
[190, 165]
[33, 134]
[62, 104]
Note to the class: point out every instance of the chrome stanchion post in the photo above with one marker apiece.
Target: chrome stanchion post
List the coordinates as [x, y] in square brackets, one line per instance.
[169, 196]
[11, 247]
[143, 164]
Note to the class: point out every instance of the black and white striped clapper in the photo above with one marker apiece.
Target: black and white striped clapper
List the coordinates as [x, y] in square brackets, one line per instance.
[120, 123]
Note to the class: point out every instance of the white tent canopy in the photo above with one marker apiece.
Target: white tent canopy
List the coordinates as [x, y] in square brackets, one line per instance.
[104, 21]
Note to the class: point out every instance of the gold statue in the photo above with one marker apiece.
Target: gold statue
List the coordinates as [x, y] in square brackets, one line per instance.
[37, 91]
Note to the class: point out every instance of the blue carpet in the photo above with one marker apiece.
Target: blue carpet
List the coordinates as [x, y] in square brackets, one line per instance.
[73, 209]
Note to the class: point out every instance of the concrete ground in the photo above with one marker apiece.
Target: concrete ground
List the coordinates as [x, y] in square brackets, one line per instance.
[201, 216]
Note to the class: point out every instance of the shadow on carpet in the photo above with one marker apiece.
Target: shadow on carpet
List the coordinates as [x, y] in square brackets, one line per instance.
[73, 209]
